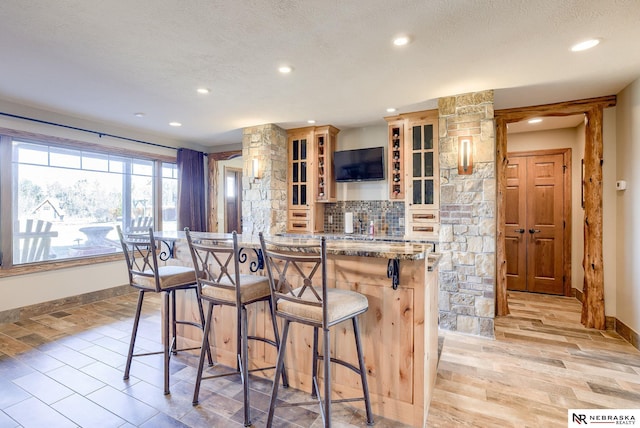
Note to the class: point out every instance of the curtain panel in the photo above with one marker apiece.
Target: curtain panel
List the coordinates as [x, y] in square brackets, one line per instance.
[191, 190]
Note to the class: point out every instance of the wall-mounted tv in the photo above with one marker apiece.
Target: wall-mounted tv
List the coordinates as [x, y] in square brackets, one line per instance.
[359, 165]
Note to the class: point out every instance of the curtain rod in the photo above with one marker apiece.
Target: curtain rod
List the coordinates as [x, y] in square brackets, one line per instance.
[98, 133]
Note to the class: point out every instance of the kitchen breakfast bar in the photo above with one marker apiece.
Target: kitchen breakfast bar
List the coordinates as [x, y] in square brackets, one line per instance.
[399, 330]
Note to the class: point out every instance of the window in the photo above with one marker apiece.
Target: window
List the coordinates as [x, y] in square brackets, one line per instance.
[66, 201]
[169, 196]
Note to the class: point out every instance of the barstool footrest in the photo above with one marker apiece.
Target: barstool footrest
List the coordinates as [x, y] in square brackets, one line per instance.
[236, 373]
[263, 339]
[307, 403]
[342, 363]
[191, 323]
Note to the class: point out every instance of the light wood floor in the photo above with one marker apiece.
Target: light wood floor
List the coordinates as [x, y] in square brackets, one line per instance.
[65, 369]
[542, 363]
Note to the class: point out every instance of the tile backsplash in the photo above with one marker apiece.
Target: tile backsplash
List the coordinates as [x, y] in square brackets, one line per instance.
[387, 216]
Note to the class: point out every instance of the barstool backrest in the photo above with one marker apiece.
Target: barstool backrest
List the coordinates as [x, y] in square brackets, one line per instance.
[141, 256]
[216, 262]
[297, 273]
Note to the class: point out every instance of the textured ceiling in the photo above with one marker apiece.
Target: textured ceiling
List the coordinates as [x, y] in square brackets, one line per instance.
[106, 60]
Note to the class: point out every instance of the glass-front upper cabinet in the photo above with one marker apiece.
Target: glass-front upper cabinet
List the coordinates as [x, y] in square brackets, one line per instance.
[422, 197]
[309, 176]
[299, 163]
[422, 161]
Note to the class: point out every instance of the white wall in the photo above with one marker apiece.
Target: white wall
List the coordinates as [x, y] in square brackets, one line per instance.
[359, 138]
[609, 211]
[628, 206]
[25, 290]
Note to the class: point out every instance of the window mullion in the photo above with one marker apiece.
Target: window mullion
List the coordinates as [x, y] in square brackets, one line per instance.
[6, 187]
[157, 194]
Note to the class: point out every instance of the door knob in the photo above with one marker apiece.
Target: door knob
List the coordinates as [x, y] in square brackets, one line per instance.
[534, 230]
[519, 230]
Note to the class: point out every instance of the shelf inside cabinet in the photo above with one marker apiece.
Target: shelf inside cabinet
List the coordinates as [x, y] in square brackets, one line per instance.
[396, 161]
[321, 165]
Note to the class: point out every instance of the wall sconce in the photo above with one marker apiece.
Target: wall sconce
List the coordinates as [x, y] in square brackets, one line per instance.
[465, 155]
[254, 168]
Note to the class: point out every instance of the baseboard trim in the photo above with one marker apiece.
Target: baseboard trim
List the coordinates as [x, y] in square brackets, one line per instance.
[613, 323]
[626, 332]
[26, 312]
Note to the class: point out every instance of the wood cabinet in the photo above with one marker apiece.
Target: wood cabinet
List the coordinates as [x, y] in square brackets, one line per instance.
[310, 180]
[399, 334]
[325, 139]
[417, 173]
[395, 160]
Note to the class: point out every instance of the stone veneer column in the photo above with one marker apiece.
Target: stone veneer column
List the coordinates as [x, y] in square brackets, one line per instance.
[264, 199]
[467, 216]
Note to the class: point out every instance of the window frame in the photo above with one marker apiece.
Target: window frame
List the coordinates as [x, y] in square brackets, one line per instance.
[6, 194]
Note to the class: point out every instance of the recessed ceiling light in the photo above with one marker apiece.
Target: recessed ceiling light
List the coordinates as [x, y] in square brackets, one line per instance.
[311, 121]
[176, 124]
[203, 90]
[285, 69]
[401, 40]
[139, 114]
[391, 110]
[583, 46]
[538, 120]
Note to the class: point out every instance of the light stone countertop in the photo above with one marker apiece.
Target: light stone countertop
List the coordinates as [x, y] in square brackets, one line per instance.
[344, 247]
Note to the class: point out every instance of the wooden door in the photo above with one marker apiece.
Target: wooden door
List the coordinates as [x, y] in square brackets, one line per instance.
[233, 200]
[516, 224]
[535, 223]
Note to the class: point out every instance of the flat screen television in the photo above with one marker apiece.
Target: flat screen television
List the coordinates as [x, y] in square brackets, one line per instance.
[359, 165]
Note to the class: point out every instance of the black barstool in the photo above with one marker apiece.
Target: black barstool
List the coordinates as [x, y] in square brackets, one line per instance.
[221, 283]
[140, 253]
[318, 306]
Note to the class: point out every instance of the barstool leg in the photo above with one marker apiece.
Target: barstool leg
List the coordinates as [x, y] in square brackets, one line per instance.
[326, 358]
[238, 338]
[202, 322]
[279, 369]
[203, 349]
[166, 344]
[134, 333]
[363, 371]
[276, 335]
[244, 357]
[174, 324]
[314, 366]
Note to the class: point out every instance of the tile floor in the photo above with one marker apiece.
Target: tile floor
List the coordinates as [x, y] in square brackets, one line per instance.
[542, 363]
[64, 369]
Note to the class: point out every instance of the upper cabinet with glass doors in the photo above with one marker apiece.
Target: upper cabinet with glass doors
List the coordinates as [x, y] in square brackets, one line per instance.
[310, 179]
[417, 176]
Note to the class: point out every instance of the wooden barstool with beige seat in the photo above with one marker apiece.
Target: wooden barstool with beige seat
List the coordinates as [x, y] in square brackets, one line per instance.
[298, 280]
[221, 283]
[145, 274]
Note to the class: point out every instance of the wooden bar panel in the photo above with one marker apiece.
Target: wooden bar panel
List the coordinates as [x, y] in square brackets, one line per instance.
[399, 335]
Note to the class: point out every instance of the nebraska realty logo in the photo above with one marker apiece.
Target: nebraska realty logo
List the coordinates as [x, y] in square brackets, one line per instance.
[603, 417]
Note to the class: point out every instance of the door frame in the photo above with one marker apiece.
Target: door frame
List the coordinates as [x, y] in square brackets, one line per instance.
[593, 302]
[212, 183]
[567, 207]
[227, 169]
